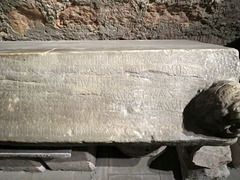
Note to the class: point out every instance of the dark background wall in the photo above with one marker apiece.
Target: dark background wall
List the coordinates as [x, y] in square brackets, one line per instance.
[212, 21]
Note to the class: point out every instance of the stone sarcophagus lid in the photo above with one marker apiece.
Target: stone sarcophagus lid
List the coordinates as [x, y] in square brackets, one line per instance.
[107, 91]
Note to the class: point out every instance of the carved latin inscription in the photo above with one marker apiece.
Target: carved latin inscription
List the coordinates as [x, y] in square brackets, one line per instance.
[101, 96]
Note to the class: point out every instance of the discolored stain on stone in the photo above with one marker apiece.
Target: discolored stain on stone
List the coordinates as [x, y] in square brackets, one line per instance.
[124, 15]
[179, 14]
[24, 18]
[78, 15]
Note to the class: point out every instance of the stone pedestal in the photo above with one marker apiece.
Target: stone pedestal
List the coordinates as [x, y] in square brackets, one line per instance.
[82, 159]
[204, 163]
[20, 164]
[235, 149]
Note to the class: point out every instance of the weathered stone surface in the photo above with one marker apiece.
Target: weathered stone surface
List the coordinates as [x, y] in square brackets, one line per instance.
[219, 173]
[106, 91]
[235, 149]
[10, 164]
[203, 164]
[215, 111]
[213, 21]
[81, 160]
[212, 156]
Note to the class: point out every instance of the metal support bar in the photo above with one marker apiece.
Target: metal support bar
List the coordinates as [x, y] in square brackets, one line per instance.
[32, 153]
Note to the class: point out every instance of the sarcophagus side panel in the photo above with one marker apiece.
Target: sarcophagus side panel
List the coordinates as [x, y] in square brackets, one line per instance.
[102, 95]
